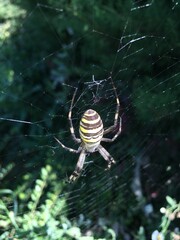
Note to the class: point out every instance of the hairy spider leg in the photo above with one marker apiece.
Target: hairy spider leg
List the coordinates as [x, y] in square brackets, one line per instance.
[79, 166]
[116, 116]
[116, 135]
[78, 140]
[104, 153]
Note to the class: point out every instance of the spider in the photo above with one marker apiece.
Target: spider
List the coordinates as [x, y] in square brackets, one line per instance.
[92, 133]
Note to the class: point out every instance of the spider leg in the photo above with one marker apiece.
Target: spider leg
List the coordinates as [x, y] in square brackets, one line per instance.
[78, 140]
[67, 148]
[79, 166]
[117, 110]
[104, 153]
[116, 135]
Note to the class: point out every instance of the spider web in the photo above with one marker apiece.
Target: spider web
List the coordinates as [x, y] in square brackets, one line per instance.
[149, 114]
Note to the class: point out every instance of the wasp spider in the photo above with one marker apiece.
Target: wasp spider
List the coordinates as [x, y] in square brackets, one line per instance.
[92, 133]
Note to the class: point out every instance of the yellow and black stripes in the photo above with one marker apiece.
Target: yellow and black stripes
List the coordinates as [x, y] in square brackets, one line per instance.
[92, 134]
[91, 128]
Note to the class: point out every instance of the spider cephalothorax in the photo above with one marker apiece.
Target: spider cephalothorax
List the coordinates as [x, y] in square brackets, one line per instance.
[92, 133]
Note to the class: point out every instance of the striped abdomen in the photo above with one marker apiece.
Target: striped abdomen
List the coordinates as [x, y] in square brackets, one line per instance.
[91, 129]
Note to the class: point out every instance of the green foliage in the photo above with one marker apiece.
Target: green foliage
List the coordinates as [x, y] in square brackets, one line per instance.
[170, 215]
[148, 101]
[10, 11]
[42, 216]
[42, 50]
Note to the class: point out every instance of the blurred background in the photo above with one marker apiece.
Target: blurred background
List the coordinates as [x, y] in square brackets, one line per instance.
[49, 48]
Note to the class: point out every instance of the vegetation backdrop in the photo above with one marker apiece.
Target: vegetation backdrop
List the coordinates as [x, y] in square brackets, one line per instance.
[47, 49]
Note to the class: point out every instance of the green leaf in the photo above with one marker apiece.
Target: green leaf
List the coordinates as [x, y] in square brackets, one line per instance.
[171, 201]
[6, 191]
[74, 232]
